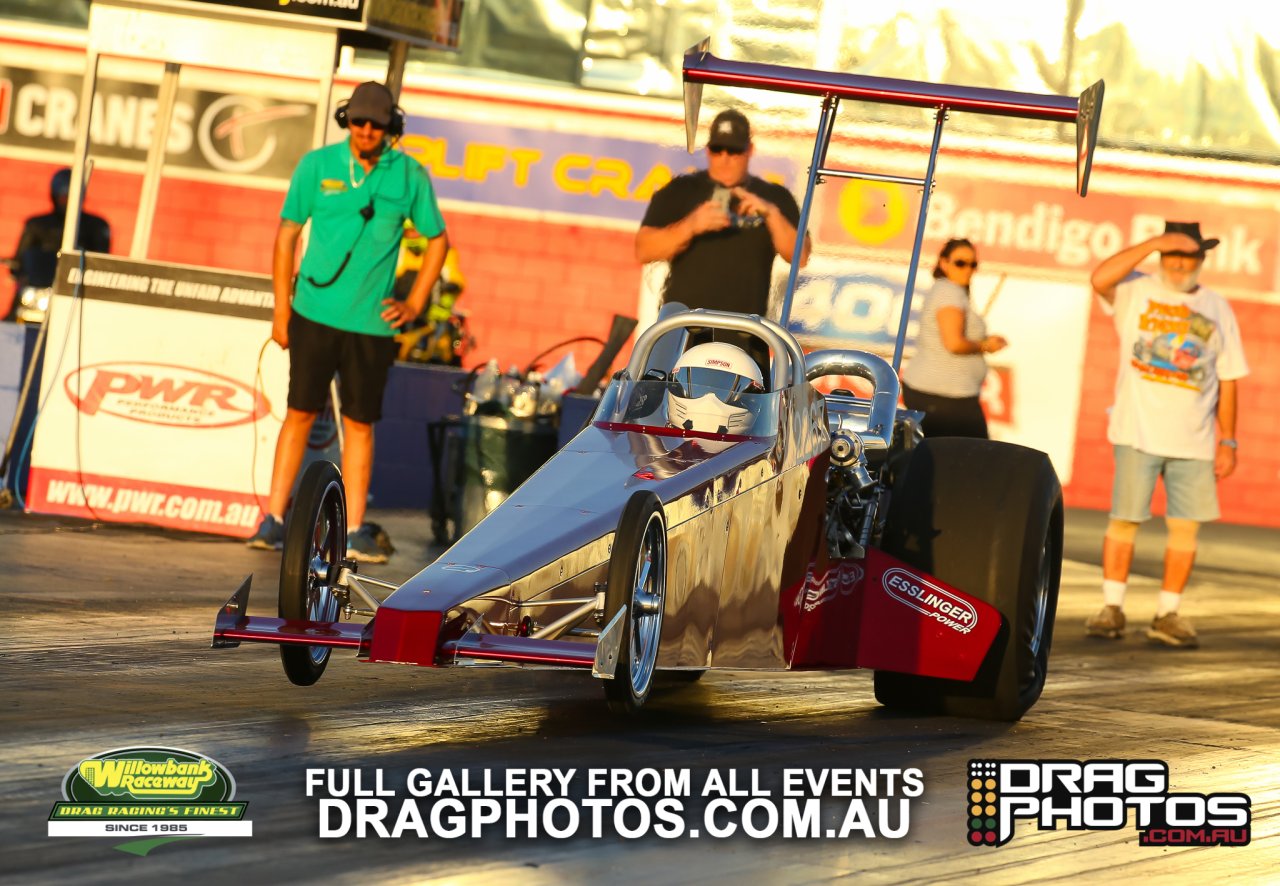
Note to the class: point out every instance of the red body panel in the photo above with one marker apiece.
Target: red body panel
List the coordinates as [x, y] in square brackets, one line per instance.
[880, 613]
[405, 636]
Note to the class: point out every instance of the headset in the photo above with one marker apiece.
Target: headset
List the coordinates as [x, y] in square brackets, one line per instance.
[395, 127]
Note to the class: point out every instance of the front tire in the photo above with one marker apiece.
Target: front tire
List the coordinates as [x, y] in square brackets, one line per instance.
[315, 542]
[638, 585]
[985, 517]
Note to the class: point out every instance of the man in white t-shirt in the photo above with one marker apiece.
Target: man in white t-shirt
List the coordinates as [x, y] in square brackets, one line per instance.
[1180, 359]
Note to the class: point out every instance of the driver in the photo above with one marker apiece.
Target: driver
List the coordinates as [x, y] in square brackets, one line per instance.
[707, 388]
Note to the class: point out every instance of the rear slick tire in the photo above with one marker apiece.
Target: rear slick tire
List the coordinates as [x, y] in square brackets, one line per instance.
[315, 543]
[985, 517]
[637, 585]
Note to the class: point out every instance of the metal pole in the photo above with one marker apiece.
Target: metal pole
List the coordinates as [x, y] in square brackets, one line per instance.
[915, 247]
[71, 229]
[825, 123]
[324, 102]
[166, 99]
[396, 57]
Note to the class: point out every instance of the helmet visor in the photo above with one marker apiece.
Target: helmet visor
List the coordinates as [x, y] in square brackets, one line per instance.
[692, 382]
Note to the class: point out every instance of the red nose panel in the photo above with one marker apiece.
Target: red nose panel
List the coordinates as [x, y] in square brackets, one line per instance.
[405, 637]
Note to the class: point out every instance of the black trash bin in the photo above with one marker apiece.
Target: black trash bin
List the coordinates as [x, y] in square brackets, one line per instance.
[480, 460]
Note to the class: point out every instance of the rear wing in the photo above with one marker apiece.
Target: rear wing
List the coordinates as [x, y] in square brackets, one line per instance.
[701, 67]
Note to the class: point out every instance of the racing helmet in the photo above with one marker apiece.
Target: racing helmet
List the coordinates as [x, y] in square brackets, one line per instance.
[707, 388]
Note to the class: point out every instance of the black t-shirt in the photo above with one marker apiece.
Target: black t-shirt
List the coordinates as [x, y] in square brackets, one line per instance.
[41, 239]
[726, 270]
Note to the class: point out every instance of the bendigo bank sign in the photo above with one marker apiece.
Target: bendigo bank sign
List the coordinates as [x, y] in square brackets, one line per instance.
[1049, 228]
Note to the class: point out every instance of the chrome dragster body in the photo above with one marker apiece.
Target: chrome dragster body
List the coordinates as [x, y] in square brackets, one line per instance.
[822, 531]
[748, 569]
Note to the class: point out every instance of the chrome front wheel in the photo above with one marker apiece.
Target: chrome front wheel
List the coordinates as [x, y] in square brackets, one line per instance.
[314, 544]
[638, 587]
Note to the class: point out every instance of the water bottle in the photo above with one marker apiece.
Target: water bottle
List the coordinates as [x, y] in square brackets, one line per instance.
[549, 396]
[485, 387]
[525, 402]
[508, 385]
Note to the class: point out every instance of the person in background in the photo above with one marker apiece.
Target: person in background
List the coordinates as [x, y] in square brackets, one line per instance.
[944, 377]
[1181, 359]
[340, 315]
[720, 229]
[35, 260]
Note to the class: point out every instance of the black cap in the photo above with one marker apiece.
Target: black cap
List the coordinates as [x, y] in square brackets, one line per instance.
[1192, 230]
[371, 101]
[731, 130]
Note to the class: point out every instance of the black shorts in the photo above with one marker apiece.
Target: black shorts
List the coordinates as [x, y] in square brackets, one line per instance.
[361, 362]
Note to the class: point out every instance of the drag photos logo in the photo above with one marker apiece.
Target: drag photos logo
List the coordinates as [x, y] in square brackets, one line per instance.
[1099, 795]
[150, 794]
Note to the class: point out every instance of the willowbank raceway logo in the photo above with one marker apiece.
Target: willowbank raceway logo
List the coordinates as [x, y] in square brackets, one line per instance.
[1099, 795]
[152, 795]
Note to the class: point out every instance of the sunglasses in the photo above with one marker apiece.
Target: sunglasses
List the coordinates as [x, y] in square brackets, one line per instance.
[720, 149]
[963, 263]
[362, 122]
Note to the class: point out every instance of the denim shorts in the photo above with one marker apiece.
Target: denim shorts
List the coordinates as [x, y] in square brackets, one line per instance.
[1191, 490]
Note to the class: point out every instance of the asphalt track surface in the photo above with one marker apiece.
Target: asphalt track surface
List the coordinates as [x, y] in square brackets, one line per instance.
[106, 646]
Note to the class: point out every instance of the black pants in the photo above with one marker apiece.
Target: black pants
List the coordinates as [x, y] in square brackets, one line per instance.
[947, 416]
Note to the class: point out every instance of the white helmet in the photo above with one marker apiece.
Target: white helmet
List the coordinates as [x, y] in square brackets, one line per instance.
[707, 387]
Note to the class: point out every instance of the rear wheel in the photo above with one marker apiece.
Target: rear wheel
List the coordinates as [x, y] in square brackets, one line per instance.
[638, 585]
[315, 542]
[984, 517]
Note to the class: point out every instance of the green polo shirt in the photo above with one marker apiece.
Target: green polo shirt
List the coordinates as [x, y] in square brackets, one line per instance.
[330, 189]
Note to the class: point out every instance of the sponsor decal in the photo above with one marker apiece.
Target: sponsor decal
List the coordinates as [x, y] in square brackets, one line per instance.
[111, 278]
[346, 10]
[157, 794]
[841, 578]
[924, 596]
[164, 394]
[1081, 795]
[214, 131]
[227, 126]
[459, 567]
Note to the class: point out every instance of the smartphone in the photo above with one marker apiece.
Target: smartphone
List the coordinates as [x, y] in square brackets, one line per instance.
[724, 197]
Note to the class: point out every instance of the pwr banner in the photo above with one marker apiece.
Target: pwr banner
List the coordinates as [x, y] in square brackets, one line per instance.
[160, 402]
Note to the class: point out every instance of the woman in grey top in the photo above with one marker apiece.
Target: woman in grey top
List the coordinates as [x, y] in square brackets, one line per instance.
[945, 376]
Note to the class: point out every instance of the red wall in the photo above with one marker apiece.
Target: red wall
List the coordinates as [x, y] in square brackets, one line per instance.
[533, 284]
[198, 223]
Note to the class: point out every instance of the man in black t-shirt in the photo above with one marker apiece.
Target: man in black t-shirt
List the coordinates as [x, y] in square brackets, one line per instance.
[35, 260]
[720, 228]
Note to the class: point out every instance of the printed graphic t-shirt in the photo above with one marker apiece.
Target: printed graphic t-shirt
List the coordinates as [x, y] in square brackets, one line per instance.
[328, 191]
[1174, 349]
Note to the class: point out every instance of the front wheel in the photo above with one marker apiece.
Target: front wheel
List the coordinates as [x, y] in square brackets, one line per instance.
[985, 517]
[315, 541]
[638, 585]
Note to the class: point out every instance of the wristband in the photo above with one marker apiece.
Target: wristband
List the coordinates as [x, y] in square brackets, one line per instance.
[1228, 442]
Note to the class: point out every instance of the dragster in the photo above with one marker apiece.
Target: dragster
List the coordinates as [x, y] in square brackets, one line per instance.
[821, 531]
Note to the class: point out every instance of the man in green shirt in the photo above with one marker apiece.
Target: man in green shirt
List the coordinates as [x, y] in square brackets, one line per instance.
[339, 315]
